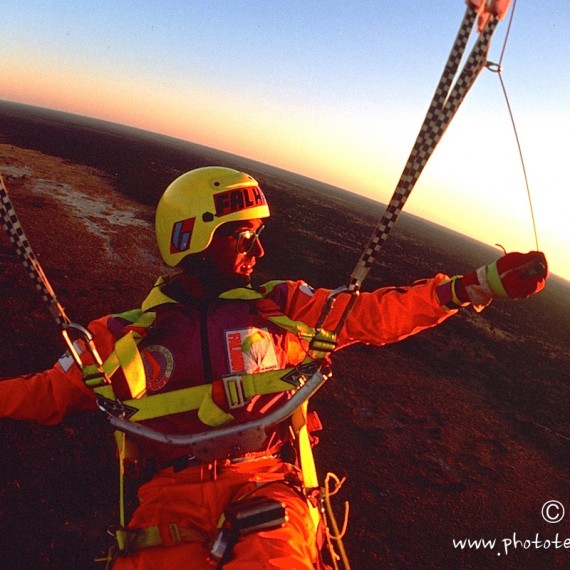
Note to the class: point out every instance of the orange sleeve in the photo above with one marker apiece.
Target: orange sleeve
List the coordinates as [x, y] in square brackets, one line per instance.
[48, 396]
[45, 397]
[386, 315]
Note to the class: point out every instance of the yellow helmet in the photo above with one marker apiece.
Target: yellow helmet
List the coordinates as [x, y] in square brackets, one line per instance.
[197, 203]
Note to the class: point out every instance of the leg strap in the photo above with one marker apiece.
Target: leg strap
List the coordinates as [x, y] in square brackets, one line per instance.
[133, 540]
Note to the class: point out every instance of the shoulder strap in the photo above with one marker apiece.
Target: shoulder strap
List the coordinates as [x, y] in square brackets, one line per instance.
[125, 356]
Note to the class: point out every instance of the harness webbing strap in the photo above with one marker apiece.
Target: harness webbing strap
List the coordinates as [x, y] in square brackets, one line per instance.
[200, 397]
[126, 356]
[129, 359]
[131, 362]
[166, 535]
[168, 403]
[306, 459]
[210, 414]
[444, 105]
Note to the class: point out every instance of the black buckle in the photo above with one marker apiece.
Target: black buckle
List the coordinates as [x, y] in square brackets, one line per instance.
[298, 376]
[115, 408]
[245, 517]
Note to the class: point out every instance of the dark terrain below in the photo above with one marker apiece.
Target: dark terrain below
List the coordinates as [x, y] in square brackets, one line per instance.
[460, 432]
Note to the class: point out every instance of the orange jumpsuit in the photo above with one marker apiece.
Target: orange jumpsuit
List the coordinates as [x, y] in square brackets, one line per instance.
[194, 342]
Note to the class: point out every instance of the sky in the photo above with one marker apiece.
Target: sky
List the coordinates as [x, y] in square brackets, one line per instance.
[333, 90]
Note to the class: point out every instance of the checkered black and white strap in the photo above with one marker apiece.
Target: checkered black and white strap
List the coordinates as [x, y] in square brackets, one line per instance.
[444, 105]
[16, 234]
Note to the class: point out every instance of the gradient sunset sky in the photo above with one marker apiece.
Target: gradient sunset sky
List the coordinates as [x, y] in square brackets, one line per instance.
[333, 90]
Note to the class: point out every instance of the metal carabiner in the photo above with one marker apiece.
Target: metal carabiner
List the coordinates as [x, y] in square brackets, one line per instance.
[87, 338]
[326, 310]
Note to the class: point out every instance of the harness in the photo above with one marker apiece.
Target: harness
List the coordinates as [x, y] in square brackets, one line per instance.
[213, 402]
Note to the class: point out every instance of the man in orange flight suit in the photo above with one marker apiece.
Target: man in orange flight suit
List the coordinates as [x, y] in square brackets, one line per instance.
[205, 325]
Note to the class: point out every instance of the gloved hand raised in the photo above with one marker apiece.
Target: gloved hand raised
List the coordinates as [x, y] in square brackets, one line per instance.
[513, 276]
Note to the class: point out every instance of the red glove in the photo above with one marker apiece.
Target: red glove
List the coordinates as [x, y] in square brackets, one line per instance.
[513, 276]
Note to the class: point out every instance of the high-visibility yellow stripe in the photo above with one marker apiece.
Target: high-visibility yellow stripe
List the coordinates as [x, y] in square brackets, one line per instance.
[495, 281]
[126, 355]
[265, 383]
[156, 296]
[187, 399]
[106, 391]
[306, 459]
[167, 403]
[131, 363]
[211, 414]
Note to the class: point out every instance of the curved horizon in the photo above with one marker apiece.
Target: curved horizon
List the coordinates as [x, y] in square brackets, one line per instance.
[128, 128]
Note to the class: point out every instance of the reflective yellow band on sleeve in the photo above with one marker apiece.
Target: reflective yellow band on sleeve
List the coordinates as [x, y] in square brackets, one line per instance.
[495, 281]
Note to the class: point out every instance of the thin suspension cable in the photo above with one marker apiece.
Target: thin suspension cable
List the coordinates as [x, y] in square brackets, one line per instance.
[522, 162]
[498, 68]
[507, 33]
